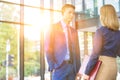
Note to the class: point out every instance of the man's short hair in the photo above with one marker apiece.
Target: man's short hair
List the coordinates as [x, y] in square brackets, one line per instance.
[67, 6]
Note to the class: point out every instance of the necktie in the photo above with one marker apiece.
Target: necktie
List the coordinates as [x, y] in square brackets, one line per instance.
[69, 43]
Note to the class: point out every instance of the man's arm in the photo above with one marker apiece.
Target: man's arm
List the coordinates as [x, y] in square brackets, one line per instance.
[49, 48]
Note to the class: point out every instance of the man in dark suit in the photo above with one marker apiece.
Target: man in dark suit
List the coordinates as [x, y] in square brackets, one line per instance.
[62, 47]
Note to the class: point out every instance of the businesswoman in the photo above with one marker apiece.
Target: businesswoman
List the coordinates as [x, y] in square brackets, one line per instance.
[106, 45]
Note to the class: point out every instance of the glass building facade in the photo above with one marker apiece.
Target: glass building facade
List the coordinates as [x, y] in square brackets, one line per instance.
[22, 27]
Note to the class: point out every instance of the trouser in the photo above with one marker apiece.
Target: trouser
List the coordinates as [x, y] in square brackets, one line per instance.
[64, 72]
[108, 69]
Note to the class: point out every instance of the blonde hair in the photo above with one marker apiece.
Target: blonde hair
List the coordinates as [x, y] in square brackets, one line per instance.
[108, 17]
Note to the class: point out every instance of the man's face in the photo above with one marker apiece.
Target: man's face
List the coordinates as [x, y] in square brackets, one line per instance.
[68, 14]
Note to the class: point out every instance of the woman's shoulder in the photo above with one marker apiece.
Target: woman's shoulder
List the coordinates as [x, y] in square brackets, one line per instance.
[102, 28]
[108, 32]
[105, 29]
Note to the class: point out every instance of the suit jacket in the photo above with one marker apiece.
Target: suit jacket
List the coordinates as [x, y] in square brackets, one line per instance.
[56, 47]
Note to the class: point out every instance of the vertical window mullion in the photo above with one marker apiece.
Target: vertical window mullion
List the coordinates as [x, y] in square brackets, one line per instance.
[42, 62]
[21, 40]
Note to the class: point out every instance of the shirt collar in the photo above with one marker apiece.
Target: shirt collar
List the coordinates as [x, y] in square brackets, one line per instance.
[63, 24]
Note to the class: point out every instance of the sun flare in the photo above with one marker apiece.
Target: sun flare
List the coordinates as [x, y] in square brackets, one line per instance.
[39, 24]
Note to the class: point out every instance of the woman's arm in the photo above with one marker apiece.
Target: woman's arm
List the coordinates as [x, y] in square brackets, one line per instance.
[97, 47]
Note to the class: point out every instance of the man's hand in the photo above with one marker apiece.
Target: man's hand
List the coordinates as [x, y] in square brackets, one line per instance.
[78, 76]
[84, 77]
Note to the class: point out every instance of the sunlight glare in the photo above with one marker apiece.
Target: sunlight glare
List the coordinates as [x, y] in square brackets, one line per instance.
[39, 25]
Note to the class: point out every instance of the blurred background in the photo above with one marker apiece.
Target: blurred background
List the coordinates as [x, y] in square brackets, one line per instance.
[23, 24]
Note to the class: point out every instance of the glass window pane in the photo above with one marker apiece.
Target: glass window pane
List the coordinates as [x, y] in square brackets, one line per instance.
[32, 2]
[32, 16]
[57, 4]
[57, 16]
[89, 4]
[14, 1]
[69, 1]
[78, 5]
[9, 12]
[89, 8]
[38, 21]
[31, 53]
[9, 51]
[36, 17]
[99, 4]
[115, 3]
[46, 3]
[46, 17]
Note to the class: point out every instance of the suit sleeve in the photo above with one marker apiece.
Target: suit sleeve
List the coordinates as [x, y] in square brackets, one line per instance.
[77, 52]
[49, 48]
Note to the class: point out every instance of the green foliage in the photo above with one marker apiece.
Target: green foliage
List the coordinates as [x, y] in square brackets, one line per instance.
[9, 12]
[7, 31]
[31, 68]
[32, 65]
[31, 58]
[2, 72]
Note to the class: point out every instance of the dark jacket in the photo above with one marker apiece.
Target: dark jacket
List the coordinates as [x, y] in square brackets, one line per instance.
[56, 47]
[106, 43]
